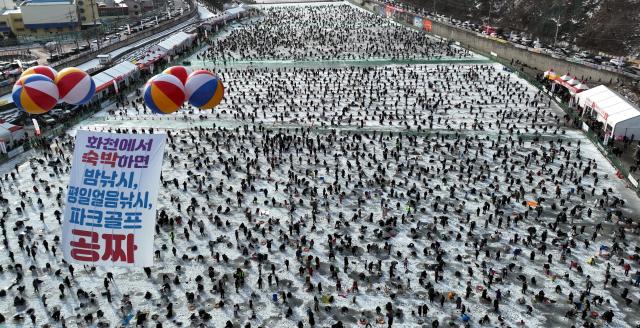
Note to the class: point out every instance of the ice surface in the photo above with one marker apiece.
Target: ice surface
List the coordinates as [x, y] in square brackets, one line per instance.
[394, 162]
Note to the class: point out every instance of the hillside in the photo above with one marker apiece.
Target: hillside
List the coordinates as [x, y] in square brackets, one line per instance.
[611, 26]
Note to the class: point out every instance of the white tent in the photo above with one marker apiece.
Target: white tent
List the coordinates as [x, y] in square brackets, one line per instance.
[101, 80]
[116, 73]
[620, 117]
[582, 87]
[122, 70]
[176, 41]
[573, 82]
[5, 136]
[10, 133]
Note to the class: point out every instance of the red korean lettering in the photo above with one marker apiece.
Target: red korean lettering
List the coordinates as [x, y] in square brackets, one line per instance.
[114, 248]
[83, 250]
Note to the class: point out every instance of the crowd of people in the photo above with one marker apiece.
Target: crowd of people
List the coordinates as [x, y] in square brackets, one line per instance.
[326, 32]
[421, 97]
[451, 97]
[264, 226]
[378, 196]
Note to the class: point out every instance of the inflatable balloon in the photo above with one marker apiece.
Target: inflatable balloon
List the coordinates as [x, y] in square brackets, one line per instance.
[181, 72]
[75, 86]
[204, 89]
[44, 70]
[35, 94]
[164, 94]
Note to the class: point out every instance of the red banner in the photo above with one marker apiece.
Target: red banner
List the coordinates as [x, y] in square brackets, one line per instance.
[427, 25]
[389, 11]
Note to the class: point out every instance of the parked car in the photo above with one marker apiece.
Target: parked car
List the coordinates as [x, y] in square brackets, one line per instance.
[617, 62]
[584, 54]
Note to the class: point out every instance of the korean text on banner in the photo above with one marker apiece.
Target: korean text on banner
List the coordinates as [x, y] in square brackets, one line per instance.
[110, 212]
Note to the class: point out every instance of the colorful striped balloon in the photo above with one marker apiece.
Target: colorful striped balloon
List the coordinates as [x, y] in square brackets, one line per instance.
[204, 89]
[164, 94]
[44, 70]
[75, 86]
[35, 94]
[181, 72]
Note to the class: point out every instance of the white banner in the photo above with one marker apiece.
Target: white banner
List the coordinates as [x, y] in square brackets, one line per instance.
[36, 126]
[110, 212]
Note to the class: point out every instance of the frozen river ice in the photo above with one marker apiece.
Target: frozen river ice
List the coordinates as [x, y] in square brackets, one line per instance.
[345, 195]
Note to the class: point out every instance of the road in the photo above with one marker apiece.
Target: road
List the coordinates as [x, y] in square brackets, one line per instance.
[94, 63]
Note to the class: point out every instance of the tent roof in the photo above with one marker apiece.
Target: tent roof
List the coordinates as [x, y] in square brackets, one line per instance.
[611, 107]
[581, 86]
[227, 14]
[5, 135]
[235, 10]
[101, 79]
[10, 127]
[175, 40]
[105, 78]
[573, 89]
[123, 69]
[150, 57]
[7, 129]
